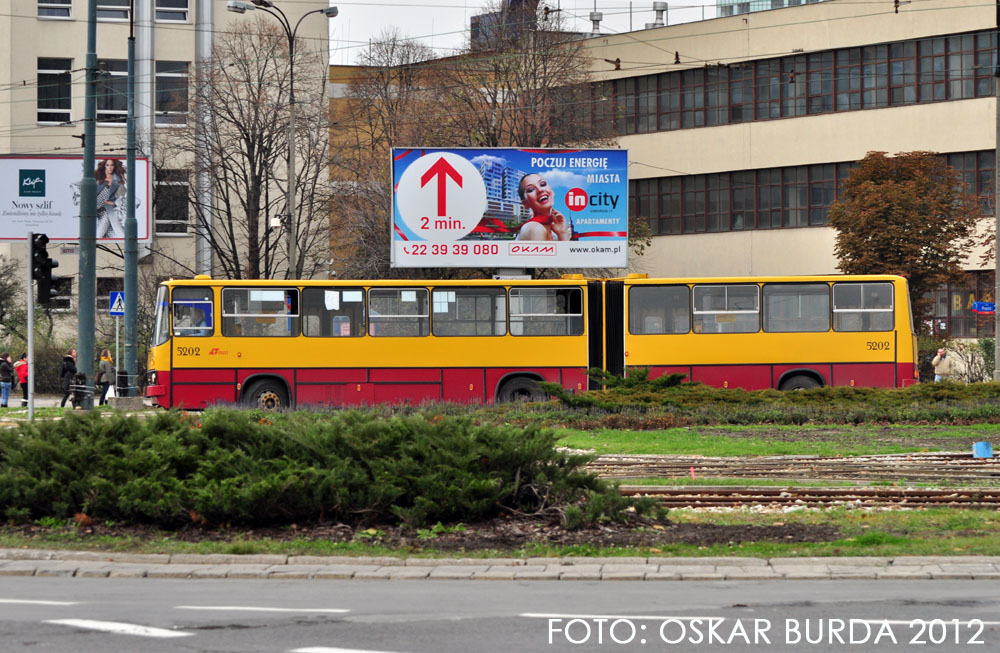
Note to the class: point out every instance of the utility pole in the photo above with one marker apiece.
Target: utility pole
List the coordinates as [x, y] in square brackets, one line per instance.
[131, 230]
[88, 217]
[996, 204]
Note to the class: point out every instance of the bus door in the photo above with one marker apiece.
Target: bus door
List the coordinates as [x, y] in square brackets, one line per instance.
[614, 327]
[595, 328]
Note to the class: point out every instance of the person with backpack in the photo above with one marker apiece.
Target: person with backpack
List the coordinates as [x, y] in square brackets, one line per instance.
[21, 374]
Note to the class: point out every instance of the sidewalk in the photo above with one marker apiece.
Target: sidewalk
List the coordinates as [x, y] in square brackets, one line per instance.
[90, 564]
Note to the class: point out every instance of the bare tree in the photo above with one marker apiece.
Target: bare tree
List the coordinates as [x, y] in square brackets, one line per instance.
[523, 83]
[244, 104]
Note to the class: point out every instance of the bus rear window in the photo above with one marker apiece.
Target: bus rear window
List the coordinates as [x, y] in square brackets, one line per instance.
[260, 312]
[862, 306]
[333, 312]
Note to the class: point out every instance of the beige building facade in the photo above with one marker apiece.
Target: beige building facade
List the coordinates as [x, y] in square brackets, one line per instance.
[740, 128]
[42, 63]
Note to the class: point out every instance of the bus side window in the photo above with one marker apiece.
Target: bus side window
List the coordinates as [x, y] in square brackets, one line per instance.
[333, 312]
[193, 311]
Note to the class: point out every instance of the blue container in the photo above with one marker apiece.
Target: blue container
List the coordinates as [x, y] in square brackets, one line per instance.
[982, 450]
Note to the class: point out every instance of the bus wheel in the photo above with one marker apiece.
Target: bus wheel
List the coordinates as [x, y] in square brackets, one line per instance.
[520, 389]
[799, 382]
[266, 395]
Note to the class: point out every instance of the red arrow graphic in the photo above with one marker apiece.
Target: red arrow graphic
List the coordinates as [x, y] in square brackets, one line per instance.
[442, 170]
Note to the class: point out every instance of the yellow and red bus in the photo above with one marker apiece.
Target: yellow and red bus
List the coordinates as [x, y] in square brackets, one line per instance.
[285, 343]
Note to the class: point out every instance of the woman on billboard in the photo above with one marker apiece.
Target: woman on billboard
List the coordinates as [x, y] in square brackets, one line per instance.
[545, 223]
[110, 176]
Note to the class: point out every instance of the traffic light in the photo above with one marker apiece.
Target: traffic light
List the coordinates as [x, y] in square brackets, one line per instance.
[41, 268]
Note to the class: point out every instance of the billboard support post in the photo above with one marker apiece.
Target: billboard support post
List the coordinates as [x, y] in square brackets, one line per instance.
[29, 279]
[88, 217]
[131, 243]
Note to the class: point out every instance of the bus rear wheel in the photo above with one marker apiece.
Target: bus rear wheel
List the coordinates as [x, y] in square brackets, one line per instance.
[799, 382]
[266, 395]
[520, 389]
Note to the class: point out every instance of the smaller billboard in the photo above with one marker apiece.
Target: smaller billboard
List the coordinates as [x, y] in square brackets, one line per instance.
[42, 195]
[510, 208]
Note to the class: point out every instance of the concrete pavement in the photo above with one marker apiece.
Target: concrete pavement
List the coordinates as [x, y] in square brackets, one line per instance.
[92, 564]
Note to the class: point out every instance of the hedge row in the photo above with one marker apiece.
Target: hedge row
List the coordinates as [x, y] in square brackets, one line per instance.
[247, 468]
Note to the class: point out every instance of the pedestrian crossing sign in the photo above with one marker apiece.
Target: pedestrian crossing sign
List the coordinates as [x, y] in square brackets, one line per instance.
[117, 303]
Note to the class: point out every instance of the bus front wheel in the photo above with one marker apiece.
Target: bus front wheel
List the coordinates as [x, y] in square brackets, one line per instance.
[799, 382]
[520, 389]
[266, 395]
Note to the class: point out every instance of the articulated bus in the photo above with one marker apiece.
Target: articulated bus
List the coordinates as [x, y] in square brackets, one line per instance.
[275, 344]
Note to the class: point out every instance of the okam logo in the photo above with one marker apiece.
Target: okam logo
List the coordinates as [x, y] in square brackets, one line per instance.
[31, 183]
[577, 199]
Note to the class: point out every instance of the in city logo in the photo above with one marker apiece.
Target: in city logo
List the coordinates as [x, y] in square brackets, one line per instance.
[577, 199]
[31, 183]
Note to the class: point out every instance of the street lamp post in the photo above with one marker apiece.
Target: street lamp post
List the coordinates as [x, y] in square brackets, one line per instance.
[239, 7]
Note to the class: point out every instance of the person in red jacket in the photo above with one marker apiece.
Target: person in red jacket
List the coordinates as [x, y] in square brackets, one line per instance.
[21, 370]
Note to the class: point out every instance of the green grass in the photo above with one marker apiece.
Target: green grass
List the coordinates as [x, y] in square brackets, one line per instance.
[691, 441]
[936, 531]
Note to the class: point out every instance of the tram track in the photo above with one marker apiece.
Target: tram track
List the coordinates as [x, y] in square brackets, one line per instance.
[818, 497]
[922, 467]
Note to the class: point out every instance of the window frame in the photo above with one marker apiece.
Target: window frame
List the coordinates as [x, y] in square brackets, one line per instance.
[106, 89]
[695, 312]
[169, 117]
[109, 7]
[297, 315]
[891, 310]
[765, 317]
[54, 5]
[572, 318]
[497, 293]
[423, 327]
[159, 11]
[209, 314]
[634, 300]
[186, 183]
[362, 326]
[65, 83]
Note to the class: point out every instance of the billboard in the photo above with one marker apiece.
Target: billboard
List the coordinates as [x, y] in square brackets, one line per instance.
[510, 208]
[42, 195]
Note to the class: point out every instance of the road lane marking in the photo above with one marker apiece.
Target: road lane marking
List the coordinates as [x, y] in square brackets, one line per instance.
[327, 649]
[257, 609]
[34, 602]
[119, 628]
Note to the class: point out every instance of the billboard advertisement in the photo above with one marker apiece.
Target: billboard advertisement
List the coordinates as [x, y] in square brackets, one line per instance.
[42, 195]
[510, 208]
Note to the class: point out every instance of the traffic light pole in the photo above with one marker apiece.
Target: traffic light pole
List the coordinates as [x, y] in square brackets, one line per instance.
[29, 268]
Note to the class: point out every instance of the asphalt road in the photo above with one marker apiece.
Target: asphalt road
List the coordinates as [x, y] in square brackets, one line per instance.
[100, 615]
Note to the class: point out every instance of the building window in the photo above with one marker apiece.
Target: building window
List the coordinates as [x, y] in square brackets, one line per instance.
[770, 198]
[112, 9]
[170, 202]
[63, 299]
[173, 11]
[55, 8]
[171, 92]
[106, 286]
[112, 91]
[952, 315]
[871, 77]
[55, 91]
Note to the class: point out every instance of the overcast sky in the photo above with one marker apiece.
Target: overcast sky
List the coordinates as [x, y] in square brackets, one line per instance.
[442, 24]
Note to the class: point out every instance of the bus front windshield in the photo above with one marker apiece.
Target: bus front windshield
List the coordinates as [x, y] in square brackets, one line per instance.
[161, 322]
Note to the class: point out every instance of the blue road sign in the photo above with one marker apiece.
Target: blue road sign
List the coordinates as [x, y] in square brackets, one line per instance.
[117, 303]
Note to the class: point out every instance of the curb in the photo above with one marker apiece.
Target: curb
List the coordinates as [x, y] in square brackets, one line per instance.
[92, 564]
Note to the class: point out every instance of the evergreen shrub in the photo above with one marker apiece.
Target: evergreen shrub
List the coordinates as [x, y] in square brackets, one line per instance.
[251, 468]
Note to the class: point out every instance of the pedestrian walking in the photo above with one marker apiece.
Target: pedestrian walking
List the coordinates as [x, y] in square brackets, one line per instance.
[21, 373]
[6, 378]
[67, 374]
[942, 366]
[105, 375]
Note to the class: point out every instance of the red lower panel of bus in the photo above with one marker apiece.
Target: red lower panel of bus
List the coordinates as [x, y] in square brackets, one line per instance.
[759, 377]
[198, 388]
